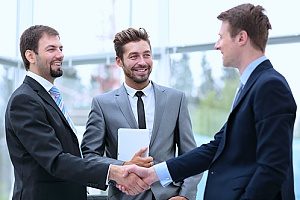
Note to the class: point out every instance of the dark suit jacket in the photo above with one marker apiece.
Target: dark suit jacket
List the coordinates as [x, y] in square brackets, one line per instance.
[251, 156]
[44, 150]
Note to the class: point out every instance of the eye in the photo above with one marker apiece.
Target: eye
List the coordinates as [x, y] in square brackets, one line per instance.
[133, 57]
[50, 50]
[147, 55]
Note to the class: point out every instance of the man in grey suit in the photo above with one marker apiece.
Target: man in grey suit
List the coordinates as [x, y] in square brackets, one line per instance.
[166, 116]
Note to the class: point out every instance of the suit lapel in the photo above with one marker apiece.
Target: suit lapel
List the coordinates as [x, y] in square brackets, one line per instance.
[45, 96]
[250, 82]
[125, 107]
[253, 77]
[160, 106]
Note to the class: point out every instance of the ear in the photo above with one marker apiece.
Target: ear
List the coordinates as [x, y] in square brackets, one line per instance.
[30, 56]
[242, 37]
[119, 61]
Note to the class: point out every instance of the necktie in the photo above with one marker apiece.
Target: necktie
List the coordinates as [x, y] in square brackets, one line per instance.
[140, 110]
[238, 94]
[54, 92]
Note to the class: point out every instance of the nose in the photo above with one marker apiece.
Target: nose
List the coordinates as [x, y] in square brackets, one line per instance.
[217, 46]
[141, 61]
[60, 54]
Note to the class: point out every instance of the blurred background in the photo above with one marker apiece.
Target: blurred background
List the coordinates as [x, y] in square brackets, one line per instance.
[182, 34]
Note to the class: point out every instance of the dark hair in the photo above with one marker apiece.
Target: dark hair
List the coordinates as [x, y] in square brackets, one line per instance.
[251, 19]
[129, 35]
[30, 40]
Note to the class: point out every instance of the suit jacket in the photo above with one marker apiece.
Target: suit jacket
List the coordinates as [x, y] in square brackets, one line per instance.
[251, 156]
[44, 149]
[112, 110]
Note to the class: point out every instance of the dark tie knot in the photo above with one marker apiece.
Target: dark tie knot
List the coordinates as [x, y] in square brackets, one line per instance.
[139, 93]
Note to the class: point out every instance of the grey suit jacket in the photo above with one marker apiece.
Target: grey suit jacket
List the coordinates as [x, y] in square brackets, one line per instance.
[172, 124]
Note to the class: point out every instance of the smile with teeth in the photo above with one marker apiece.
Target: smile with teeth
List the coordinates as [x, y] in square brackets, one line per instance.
[57, 63]
[141, 70]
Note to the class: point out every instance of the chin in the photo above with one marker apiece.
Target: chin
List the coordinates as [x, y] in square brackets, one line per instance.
[141, 80]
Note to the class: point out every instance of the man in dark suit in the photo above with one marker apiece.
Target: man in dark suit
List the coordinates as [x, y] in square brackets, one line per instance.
[40, 136]
[251, 156]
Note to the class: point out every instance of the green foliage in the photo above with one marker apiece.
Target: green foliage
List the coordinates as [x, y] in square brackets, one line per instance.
[210, 112]
[181, 75]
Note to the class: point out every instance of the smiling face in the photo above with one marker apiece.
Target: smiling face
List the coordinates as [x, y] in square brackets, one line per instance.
[136, 63]
[47, 61]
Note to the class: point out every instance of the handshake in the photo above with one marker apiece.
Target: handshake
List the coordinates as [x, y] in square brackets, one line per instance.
[136, 175]
[132, 179]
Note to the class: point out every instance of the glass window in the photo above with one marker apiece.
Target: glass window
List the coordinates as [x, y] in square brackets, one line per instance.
[87, 30]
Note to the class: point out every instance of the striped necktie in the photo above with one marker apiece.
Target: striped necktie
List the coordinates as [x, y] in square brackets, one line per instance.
[55, 94]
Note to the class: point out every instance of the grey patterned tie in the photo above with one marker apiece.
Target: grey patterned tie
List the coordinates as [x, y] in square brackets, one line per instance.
[237, 95]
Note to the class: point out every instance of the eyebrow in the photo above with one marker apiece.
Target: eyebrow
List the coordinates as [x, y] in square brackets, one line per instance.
[135, 52]
[53, 46]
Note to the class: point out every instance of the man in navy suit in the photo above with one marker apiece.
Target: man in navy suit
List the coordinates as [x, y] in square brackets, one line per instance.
[251, 156]
[42, 144]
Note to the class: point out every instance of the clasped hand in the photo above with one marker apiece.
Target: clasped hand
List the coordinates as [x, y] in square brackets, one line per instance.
[146, 175]
[136, 175]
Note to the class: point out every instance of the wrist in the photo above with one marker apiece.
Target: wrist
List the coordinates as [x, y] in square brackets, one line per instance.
[113, 173]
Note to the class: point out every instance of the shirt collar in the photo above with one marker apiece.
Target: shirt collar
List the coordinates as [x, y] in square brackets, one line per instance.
[250, 68]
[46, 84]
[131, 91]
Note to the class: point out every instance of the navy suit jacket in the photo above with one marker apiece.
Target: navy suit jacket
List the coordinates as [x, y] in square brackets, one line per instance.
[251, 156]
[44, 149]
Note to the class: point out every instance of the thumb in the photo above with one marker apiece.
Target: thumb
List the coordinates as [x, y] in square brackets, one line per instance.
[131, 169]
[141, 151]
[126, 171]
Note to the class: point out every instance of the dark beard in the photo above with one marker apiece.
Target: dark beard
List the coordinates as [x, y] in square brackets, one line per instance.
[140, 80]
[56, 74]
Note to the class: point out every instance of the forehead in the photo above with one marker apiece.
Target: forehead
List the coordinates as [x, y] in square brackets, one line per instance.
[225, 27]
[136, 47]
[49, 40]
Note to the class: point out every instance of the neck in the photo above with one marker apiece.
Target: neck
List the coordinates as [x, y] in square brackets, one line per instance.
[137, 86]
[247, 59]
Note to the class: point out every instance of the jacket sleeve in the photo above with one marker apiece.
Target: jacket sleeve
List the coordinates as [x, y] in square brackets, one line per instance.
[93, 142]
[275, 111]
[31, 123]
[185, 141]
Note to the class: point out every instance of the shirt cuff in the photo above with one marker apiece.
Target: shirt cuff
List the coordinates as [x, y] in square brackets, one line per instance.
[107, 181]
[163, 174]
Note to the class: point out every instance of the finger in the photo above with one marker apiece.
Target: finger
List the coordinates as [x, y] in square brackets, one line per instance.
[147, 159]
[129, 169]
[126, 173]
[147, 165]
[143, 185]
[141, 151]
[121, 188]
[136, 185]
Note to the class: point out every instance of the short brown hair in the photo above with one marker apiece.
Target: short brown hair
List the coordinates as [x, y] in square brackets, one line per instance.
[129, 35]
[30, 40]
[251, 19]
